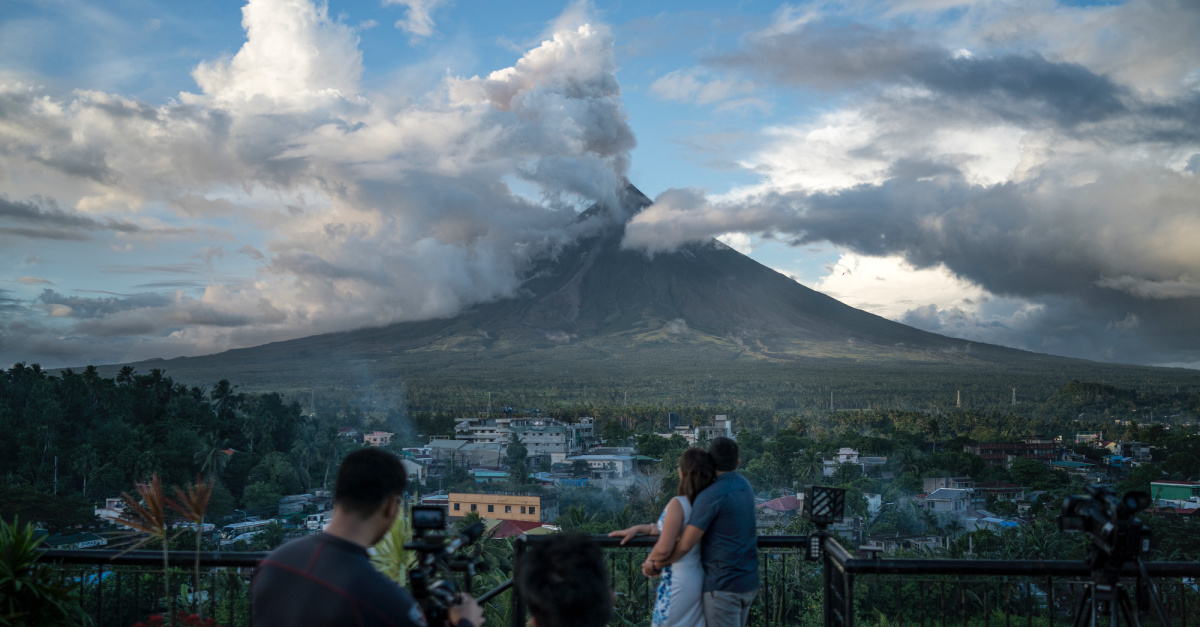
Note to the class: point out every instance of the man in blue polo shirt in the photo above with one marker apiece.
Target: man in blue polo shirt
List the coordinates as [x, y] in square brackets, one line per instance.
[723, 523]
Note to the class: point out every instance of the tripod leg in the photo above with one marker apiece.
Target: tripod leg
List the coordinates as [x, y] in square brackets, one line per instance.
[1127, 610]
[1160, 612]
[1082, 608]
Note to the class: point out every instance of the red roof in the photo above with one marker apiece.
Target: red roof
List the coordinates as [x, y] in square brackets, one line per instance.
[510, 528]
[1182, 511]
[783, 504]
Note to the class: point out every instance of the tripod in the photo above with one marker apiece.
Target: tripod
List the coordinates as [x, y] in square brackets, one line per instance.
[1106, 602]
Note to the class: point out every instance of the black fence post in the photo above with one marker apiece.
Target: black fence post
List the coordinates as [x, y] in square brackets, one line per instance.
[518, 605]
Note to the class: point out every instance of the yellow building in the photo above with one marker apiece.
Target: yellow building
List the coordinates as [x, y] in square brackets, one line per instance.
[505, 505]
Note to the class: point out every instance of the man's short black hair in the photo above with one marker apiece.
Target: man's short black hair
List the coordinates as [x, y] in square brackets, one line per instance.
[562, 580]
[724, 452]
[367, 479]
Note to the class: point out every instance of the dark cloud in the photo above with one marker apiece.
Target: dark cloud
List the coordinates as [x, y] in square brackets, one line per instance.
[54, 223]
[84, 307]
[1023, 88]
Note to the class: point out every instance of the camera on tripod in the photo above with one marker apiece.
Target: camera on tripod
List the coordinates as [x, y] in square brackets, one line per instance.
[1109, 521]
[438, 558]
[1119, 539]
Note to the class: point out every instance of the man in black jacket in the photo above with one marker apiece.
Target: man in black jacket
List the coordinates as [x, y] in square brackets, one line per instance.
[328, 579]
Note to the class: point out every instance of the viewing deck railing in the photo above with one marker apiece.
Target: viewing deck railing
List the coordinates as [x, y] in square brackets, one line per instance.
[837, 590]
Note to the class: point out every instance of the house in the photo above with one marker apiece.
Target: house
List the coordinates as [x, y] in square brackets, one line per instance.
[609, 469]
[378, 438]
[78, 541]
[1178, 494]
[722, 426]
[544, 437]
[1075, 469]
[782, 507]
[483, 475]
[1037, 448]
[416, 472]
[1092, 437]
[956, 483]
[847, 455]
[947, 500]
[464, 453]
[890, 543]
[501, 528]
[295, 503]
[506, 505]
[874, 504]
[1138, 451]
[1002, 490]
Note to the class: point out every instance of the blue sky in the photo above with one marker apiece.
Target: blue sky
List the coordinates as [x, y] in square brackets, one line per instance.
[175, 180]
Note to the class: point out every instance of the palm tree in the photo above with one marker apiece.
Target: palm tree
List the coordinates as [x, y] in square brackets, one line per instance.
[807, 465]
[212, 455]
[333, 448]
[86, 461]
[306, 449]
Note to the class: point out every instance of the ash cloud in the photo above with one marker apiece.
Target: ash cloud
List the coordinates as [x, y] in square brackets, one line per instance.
[356, 208]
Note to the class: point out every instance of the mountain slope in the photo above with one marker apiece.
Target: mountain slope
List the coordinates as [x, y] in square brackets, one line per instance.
[600, 315]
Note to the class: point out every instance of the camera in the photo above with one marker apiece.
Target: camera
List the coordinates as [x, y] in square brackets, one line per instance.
[1109, 521]
[431, 578]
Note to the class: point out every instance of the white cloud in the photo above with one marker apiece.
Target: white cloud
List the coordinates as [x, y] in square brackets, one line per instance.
[419, 20]
[295, 58]
[891, 287]
[694, 85]
[357, 209]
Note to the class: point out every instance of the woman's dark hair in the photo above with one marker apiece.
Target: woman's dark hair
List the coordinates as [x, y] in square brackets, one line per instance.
[696, 472]
[563, 581]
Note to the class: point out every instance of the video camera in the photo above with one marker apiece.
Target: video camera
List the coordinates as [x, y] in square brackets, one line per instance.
[1109, 521]
[431, 578]
[1118, 538]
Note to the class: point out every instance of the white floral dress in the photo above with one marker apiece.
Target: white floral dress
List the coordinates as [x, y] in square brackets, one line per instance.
[678, 600]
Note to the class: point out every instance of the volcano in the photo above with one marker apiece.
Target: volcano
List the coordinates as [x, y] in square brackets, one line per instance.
[598, 319]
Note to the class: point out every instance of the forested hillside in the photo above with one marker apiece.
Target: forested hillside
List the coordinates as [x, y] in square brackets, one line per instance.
[71, 440]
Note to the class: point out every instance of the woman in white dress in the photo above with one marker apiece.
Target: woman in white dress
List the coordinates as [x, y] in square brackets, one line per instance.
[678, 599]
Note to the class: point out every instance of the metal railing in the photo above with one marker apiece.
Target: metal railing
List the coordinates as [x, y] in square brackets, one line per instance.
[972, 592]
[839, 590]
[119, 590]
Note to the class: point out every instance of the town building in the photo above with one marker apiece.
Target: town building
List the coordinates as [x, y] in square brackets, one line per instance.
[722, 426]
[846, 455]
[1003, 453]
[1139, 452]
[1091, 437]
[506, 505]
[464, 453]
[609, 470]
[1001, 490]
[957, 483]
[945, 501]
[1178, 494]
[377, 438]
[78, 541]
[547, 437]
[416, 472]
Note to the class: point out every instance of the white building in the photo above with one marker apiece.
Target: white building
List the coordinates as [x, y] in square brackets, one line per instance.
[722, 427]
